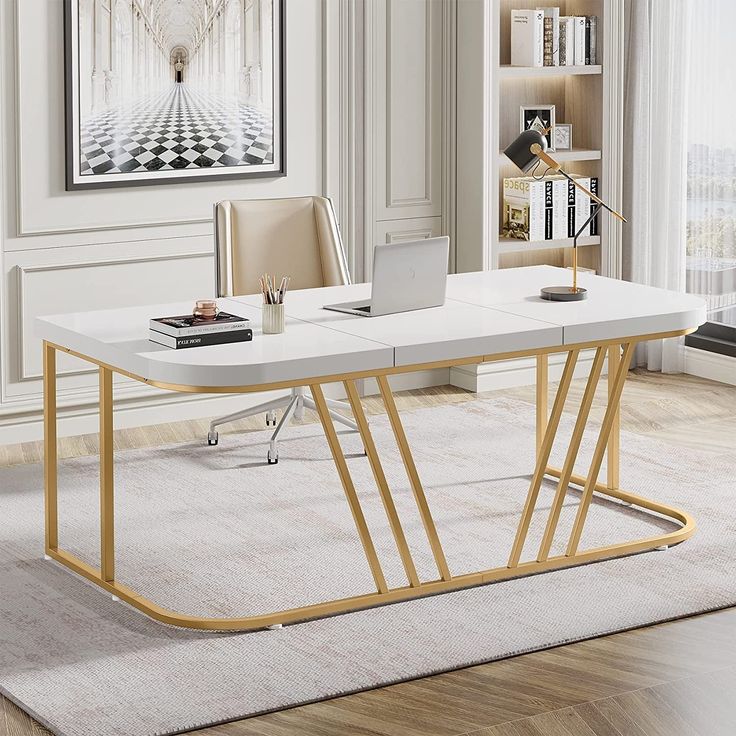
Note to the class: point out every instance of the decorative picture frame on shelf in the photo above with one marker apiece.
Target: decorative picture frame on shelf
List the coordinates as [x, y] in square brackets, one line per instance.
[191, 92]
[541, 118]
[563, 136]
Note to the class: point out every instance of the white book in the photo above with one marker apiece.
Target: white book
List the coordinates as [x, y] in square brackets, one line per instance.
[582, 202]
[579, 40]
[559, 208]
[524, 210]
[567, 40]
[527, 38]
[554, 13]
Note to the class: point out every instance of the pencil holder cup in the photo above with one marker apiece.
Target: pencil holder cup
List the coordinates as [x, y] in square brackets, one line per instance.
[273, 319]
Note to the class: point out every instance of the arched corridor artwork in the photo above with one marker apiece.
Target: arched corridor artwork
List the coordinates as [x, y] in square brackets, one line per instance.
[170, 90]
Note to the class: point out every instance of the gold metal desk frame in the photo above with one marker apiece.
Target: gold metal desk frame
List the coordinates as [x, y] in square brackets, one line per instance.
[619, 354]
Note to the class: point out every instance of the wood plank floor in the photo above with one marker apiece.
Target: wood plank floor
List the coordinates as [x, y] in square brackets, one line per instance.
[674, 679]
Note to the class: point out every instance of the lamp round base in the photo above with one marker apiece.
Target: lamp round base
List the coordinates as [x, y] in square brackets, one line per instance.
[563, 294]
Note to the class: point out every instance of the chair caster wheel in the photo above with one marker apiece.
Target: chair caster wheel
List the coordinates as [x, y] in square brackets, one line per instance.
[212, 438]
[272, 459]
[270, 418]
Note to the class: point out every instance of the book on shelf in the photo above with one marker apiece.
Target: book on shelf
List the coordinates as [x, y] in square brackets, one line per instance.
[579, 53]
[187, 325]
[567, 40]
[202, 340]
[543, 37]
[550, 208]
[594, 189]
[593, 38]
[527, 38]
[551, 49]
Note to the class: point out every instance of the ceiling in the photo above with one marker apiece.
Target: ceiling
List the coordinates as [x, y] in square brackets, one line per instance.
[178, 20]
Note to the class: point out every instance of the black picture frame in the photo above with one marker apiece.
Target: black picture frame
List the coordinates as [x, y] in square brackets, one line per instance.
[544, 115]
[75, 180]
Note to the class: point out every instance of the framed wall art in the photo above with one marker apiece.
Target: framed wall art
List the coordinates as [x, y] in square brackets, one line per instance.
[540, 118]
[164, 91]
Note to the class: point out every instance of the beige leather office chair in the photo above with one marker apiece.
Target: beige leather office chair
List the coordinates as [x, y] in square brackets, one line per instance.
[298, 236]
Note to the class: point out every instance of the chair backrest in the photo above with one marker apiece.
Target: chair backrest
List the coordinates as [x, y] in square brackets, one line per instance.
[297, 236]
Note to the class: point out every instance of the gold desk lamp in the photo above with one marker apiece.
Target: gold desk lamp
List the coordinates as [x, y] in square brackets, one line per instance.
[526, 152]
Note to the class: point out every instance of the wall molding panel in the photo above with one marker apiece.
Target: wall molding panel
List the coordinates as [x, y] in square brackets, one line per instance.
[30, 369]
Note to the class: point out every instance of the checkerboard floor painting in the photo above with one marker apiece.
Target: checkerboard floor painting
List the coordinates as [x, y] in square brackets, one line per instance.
[181, 128]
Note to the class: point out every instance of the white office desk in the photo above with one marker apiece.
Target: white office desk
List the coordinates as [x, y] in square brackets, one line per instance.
[487, 316]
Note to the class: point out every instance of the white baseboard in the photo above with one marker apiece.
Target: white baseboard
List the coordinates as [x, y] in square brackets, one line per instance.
[512, 373]
[705, 364]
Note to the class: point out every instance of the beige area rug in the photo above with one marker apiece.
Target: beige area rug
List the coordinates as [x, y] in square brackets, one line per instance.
[216, 531]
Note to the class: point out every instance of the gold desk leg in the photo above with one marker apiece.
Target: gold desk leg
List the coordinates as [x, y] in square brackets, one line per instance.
[349, 487]
[50, 459]
[414, 480]
[614, 441]
[107, 497]
[381, 482]
[543, 458]
[600, 448]
[572, 453]
[542, 397]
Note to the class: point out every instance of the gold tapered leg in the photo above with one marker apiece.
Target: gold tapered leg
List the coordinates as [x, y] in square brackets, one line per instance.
[381, 482]
[50, 470]
[349, 488]
[107, 487]
[542, 397]
[543, 457]
[614, 441]
[414, 481]
[572, 453]
[600, 448]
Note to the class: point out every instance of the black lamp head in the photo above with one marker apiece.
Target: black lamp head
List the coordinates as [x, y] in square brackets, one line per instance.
[519, 152]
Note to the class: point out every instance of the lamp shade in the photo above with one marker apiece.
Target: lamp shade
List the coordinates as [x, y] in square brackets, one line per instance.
[519, 152]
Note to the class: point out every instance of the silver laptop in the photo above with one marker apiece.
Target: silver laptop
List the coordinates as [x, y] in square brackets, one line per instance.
[406, 276]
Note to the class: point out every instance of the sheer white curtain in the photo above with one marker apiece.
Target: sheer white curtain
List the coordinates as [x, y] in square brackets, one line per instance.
[711, 178]
[655, 159]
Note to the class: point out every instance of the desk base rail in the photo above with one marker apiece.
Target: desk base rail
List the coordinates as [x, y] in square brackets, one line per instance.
[547, 424]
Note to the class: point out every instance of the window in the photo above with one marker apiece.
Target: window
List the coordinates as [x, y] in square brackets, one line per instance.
[711, 174]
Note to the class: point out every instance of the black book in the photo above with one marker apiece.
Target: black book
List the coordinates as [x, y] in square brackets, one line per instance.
[570, 209]
[587, 40]
[548, 209]
[594, 189]
[196, 341]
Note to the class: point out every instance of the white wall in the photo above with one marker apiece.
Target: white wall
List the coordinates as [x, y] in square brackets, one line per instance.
[63, 251]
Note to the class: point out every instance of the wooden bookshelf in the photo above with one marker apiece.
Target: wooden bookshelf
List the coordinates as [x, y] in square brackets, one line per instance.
[490, 94]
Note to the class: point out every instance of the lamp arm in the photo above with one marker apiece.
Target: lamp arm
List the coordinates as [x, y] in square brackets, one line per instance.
[594, 197]
[542, 155]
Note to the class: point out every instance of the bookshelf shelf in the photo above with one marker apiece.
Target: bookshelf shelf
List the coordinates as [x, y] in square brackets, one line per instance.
[507, 71]
[511, 245]
[574, 154]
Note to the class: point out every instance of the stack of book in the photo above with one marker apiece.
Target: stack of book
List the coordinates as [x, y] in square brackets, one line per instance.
[188, 331]
[551, 208]
[543, 37]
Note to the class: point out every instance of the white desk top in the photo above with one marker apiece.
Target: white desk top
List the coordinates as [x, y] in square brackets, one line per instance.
[119, 337]
[457, 329]
[486, 313]
[613, 308]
